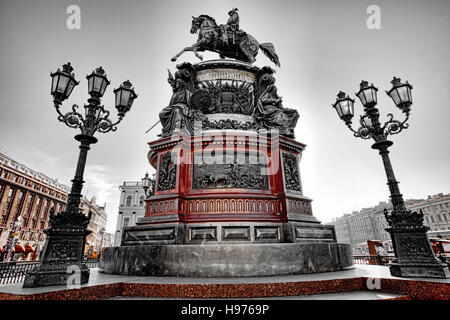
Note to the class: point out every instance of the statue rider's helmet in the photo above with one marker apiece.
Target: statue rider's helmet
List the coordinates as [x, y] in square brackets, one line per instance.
[232, 11]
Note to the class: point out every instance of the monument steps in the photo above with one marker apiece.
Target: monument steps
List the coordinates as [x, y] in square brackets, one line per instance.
[360, 283]
[352, 295]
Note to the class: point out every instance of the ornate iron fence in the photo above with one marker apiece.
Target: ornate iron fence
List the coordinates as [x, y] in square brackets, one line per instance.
[377, 260]
[14, 272]
[92, 263]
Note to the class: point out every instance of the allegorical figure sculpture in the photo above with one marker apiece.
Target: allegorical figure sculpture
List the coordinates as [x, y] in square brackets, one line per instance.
[270, 112]
[227, 40]
[177, 114]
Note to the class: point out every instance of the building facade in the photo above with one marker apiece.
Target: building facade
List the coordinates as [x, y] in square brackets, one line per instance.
[108, 240]
[97, 224]
[370, 224]
[26, 197]
[131, 207]
[436, 210]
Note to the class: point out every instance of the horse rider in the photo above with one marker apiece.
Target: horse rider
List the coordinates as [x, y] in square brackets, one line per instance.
[232, 25]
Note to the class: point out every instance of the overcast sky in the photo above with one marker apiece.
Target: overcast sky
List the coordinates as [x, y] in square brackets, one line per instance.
[324, 47]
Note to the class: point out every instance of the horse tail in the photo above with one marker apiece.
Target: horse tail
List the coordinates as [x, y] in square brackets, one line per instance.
[269, 50]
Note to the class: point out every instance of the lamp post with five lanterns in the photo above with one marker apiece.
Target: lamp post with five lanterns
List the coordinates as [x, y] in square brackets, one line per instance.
[66, 237]
[413, 253]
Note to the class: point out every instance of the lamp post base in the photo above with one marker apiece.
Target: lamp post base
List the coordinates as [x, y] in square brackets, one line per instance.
[61, 261]
[419, 270]
[414, 256]
[70, 274]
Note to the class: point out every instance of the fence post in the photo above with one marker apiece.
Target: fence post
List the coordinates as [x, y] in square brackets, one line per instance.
[379, 260]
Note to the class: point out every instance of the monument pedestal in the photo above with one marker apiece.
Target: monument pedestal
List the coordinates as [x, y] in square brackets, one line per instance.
[228, 199]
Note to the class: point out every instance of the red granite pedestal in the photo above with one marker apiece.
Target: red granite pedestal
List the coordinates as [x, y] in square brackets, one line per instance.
[229, 194]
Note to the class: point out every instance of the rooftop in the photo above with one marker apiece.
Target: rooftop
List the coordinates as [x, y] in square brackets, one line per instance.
[8, 161]
[432, 199]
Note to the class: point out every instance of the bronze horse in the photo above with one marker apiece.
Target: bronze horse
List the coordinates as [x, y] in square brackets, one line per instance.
[241, 46]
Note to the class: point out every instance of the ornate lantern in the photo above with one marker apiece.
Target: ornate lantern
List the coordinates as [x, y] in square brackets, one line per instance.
[401, 94]
[146, 182]
[367, 94]
[344, 107]
[97, 83]
[125, 96]
[63, 82]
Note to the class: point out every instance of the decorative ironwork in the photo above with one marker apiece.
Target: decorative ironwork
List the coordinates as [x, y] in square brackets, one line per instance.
[413, 253]
[371, 128]
[413, 247]
[66, 236]
[374, 259]
[167, 172]
[291, 172]
[15, 272]
[63, 250]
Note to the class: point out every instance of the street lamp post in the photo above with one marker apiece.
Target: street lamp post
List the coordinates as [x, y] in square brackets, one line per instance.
[102, 232]
[66, 237]
[13, 238]
[414, 256]
[148, 185]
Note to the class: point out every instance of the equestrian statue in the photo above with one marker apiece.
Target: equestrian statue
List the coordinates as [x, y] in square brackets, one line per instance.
[227, 40]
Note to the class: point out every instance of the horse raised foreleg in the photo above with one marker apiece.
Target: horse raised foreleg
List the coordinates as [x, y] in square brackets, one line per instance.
[193, 48]
[180, 53]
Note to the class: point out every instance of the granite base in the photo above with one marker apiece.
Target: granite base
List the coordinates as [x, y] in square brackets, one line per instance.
[226, 260]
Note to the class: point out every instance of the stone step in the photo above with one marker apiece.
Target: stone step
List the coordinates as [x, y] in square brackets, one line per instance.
[352, 295]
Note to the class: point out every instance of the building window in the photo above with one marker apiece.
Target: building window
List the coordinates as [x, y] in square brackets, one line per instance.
[432, 219]
[38, 207]
[439, 218]
[129, 201]
[126, 222]
[445, 217]
[6, 208]
[29, 205]
[19, 204]
[141, 201]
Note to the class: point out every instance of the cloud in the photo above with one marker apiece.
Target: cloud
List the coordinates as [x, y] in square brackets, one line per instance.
[101, 182]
